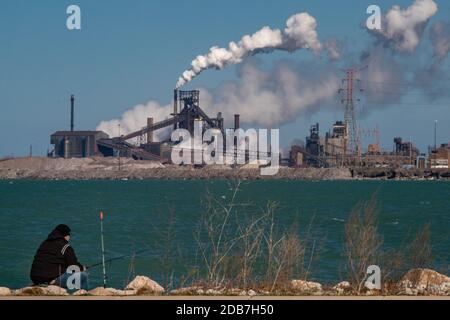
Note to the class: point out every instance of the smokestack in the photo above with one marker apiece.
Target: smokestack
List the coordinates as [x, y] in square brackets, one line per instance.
[175, 106]
[220, 120]
[149, 133]
[236, 122]
[72, 106]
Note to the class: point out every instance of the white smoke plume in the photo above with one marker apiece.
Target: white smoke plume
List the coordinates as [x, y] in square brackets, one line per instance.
[380, 76]
[440, 39]
[274, 97]
[402, 29]
[300, 33]
[333, 48]
[266, 98]
[136, 118]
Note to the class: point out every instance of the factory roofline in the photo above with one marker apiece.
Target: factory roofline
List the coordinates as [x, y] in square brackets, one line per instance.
[76, 133]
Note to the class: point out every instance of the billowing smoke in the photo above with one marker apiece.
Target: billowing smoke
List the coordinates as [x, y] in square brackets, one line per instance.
[402, 29]
[440, 39]
[136, 119]
[431, 78]
[381, 74]
[333, 48]
[267, 98]
[271, 98]
[300, 33]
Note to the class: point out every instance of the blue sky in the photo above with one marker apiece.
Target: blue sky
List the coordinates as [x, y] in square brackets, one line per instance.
[129, 52]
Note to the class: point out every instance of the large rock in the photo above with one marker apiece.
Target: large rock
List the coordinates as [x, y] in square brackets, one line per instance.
[29, 291]
[144, 285]
[307, 287]
[81, 292]
[342, 287]
[186, 291]
[423, 282]
[100, 291]
[214, 292]
[42, 291]
[5, 291]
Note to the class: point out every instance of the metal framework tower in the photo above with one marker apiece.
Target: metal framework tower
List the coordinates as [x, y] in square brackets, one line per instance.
[347, 90]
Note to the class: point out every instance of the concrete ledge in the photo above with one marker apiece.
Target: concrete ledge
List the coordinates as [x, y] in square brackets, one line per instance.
[233, 298]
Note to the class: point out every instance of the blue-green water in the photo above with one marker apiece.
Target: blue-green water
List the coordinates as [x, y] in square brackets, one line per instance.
[137, 212]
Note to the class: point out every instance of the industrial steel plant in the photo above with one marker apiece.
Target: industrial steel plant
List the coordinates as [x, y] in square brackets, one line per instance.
[341, 146]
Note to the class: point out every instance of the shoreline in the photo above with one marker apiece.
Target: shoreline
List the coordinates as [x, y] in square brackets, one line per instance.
[415, 283]
[129, 169]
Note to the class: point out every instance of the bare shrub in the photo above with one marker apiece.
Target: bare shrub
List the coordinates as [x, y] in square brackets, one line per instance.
[361, 242]
[214, 237]
[166, 243]
[288, 255]
[419, 252]
[245, 248]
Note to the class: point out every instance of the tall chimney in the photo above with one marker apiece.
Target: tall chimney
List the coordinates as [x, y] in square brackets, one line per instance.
[175, 106]
[220, 120]
[72, 106]
[236, 122]
[149, 133]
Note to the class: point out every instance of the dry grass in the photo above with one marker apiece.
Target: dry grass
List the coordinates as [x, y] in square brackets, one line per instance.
[241, 246]
[419, 251]
[33, 291]
[363, 247]
[362, 243]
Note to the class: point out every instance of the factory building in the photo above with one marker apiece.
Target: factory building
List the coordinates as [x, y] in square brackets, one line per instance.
[296, 157]
[326, 151]
[76, 144]
[335, 144]
[185, 114]
[440, 158]
[331, 150]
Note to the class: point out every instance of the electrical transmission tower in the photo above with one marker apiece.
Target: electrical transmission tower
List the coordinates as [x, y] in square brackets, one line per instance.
[348, 91]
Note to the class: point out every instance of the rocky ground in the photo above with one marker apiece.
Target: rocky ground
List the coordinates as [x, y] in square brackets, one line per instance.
[417, 282]
[109, 168]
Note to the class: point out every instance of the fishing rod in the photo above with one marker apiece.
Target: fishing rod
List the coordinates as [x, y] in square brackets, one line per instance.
[116, 258]
[103, 250]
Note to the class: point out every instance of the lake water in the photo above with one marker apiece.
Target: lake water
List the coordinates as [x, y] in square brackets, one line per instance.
[136, 214]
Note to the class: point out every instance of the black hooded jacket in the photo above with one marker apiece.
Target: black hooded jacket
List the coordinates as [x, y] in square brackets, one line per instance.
[52, 259]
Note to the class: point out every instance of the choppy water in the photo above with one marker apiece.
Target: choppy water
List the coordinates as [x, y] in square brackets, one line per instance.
[136, 212]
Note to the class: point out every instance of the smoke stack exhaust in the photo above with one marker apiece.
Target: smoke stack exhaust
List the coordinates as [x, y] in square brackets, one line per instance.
[300, 33]
[72, 106]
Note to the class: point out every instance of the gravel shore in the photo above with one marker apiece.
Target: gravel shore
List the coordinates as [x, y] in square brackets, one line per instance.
[111, 169]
